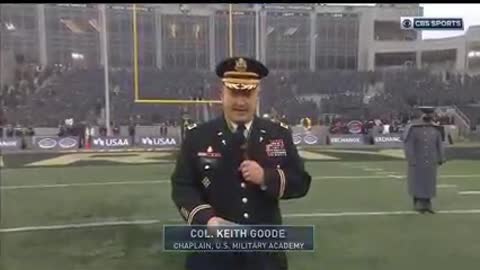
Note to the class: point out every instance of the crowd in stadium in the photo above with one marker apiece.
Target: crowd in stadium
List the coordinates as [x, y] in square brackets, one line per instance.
[46, 96]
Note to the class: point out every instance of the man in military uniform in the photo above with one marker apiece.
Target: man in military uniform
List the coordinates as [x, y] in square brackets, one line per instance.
[236, 168]
[424, 152]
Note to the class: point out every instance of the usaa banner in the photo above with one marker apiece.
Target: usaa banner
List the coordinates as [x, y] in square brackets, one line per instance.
[157, 142]
[111, 142]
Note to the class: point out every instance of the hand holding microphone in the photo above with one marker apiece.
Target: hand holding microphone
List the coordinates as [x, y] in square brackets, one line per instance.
[252, 172]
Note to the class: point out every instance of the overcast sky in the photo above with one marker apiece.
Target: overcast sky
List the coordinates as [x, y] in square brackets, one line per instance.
[469, 12]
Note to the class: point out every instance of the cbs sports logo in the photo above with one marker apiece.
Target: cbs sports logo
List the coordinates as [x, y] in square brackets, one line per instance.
[422, 23]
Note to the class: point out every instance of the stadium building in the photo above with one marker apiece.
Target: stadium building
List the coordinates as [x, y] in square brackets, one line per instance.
[286, 37]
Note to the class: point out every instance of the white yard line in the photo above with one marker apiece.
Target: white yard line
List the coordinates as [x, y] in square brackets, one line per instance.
[385, 172]
[461, 176]
[446, 186]
[469, 192]
[293, 215]
[167, 181]
[351, 177]
[381, 213]
[447, 176]
[163, 181]
[79, 225]
[86, 184]
[378, 171]
[368, 169]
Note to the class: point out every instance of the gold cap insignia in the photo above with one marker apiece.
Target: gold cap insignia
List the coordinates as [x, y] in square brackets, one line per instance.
[241, 65]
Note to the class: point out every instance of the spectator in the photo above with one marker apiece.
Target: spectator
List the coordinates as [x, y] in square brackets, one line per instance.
[386, 129]
[103, 131]
[116, 130]
[131, 130]
[10, 132]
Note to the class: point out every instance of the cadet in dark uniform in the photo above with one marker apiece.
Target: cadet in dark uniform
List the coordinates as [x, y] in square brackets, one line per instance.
[236, 168]
[424, 152]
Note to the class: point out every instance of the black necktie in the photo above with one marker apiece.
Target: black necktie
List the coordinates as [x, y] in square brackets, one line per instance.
[240, 134]
[240, 141]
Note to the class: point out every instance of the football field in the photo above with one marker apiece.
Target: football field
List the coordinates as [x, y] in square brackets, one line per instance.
[110, 215]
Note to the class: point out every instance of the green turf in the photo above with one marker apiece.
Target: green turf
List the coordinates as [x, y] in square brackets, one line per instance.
[443, 241]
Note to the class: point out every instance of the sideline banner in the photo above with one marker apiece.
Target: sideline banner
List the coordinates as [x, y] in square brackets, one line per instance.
[351, 139]
[10, 144]
[54, 143]
[157, 142]
[305, 137]
[113, 142]
[390, 140]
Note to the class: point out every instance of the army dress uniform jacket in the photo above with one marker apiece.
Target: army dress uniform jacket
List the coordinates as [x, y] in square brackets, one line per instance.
[206, 183]
[424, 151]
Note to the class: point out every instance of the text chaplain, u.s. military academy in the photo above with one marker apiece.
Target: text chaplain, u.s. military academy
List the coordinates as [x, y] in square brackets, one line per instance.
[236, 168]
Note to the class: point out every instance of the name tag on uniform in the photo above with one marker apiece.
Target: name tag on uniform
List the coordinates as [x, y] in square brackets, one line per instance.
[209, 153]
[276, 148]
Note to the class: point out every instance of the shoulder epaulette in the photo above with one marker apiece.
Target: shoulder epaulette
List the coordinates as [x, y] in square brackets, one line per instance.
[191, 126]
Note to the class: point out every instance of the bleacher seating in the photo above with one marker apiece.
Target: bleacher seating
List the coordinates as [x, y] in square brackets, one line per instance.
[47, 96]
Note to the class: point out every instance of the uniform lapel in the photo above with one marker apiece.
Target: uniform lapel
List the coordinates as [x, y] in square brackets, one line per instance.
[256, 140]
[224, 136]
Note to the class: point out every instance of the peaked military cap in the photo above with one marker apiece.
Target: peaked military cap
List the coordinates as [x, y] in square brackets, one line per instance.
[241, 73]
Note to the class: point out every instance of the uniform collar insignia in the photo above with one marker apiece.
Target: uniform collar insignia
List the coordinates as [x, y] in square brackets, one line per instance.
[192, 126]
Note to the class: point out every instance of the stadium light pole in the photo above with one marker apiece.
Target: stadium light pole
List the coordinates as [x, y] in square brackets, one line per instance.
[230, 29]
[103, 9]
[230, 40]
[257, 44]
